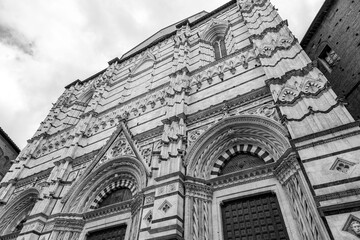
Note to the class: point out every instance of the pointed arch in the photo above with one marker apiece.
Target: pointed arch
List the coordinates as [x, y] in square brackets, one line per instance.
[147, 61]
[86, 96]
[259, 134]
[127, 171]
[214, 36]
[15, 211]
[215, 28]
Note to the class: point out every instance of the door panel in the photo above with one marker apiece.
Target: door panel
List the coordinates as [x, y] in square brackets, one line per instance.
[114, 233]
[253, 218]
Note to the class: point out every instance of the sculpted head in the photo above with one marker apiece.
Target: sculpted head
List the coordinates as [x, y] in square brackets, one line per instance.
[355, 226]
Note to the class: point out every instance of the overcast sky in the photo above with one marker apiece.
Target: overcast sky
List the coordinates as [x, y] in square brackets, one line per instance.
[47, 44]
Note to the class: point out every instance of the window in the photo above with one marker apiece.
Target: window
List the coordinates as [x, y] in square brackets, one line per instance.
[213, 37]
[329, 58]
[219, 48]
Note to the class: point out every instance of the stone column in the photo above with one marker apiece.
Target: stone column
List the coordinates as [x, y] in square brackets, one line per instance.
[136, 212]
[198, 215]
[304, 208]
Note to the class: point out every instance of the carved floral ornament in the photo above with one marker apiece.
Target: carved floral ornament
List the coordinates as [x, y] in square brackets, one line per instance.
[298, 86]
[282, 42]
[256, 130]
[120, 147]
[125, 180]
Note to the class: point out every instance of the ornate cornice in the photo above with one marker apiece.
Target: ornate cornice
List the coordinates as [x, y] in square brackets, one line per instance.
[276, 49]
[247, 6]
[108, 210]
[229, 104]
[242, 177]
[302, 95]
[67, 222]
[269, 30]
[212, 13]
[85, 158]
[284, 58]
[146, 135]
[32, 178]
[293, 73]
[311, 111]
[263, 16]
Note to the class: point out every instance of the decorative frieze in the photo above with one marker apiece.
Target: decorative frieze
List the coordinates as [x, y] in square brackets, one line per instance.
[170, 188]
[198, 190]
[69, 222]
[110, 210]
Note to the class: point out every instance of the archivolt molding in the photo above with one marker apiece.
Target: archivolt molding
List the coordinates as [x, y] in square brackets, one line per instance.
[240, 148]
[256, 130]
[125, 180]
[215, 28]
[12, 212]
[204, 168]
[85, 191]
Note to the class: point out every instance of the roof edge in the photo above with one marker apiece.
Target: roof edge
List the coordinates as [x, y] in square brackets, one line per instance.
[9, 140]
[177, 24]
[316, 22]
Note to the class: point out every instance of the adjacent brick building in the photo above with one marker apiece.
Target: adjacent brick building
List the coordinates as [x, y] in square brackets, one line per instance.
[8, 151]
[333, 43]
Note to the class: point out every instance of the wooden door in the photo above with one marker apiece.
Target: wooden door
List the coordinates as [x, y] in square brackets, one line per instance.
[253, 218]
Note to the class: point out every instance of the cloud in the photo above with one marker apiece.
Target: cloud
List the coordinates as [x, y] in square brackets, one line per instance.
[46, 45]
[13, 38]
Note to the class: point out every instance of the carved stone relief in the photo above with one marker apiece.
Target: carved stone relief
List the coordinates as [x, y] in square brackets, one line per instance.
[352, 226]
[120, 147]
[343, 166]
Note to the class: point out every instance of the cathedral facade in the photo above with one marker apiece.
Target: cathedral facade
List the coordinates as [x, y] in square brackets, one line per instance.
[218, 127]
